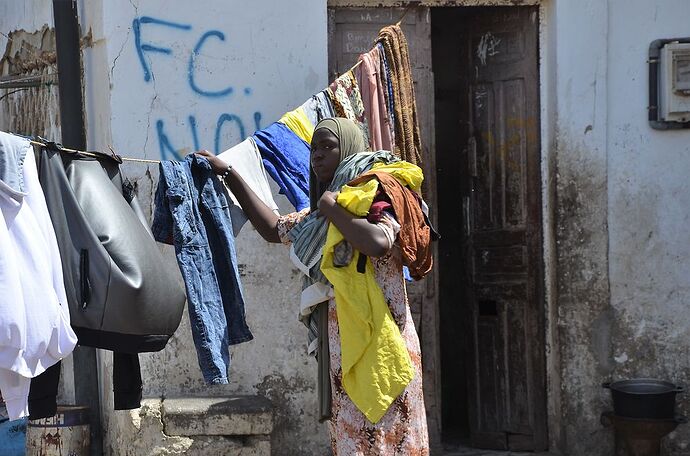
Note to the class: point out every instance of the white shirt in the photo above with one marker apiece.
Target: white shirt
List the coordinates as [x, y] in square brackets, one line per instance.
[35, 332]
[246, 160]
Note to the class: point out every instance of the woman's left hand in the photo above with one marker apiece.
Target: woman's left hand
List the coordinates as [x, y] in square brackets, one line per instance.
[327, 201]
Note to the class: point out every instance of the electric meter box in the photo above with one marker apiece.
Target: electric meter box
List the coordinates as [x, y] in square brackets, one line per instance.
[674, 82]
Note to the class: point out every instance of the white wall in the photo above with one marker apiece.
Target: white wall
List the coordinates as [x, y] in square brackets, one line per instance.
[622, 208]
[273, 55]
[649, 205]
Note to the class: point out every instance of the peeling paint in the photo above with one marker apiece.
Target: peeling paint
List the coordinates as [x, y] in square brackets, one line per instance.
[487, 47]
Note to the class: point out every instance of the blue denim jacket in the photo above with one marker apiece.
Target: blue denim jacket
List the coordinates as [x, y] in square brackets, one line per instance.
[192, 213]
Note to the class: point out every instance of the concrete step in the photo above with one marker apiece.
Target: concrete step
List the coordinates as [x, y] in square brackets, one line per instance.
[195, 426]
[239, 415]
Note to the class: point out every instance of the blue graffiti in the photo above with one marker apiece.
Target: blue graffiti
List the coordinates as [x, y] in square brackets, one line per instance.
[136, 26]
[257, 120]
[164, 143]
[227, 118]
[168, 152]
[143, 47]
[192, 61]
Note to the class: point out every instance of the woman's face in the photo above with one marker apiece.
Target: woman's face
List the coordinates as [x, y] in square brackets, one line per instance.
[325, 155]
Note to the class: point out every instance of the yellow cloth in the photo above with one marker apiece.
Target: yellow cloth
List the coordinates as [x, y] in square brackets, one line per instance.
[407, 173]
[376, 365]
[299, 123]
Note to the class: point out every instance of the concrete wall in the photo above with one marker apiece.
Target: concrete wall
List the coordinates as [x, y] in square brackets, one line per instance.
[220, 71]
[621, 215]
[649, 209]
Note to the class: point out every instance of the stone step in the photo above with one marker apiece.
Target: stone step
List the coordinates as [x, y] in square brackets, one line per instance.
[227, 416]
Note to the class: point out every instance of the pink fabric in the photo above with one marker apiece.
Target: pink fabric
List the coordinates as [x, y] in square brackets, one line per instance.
[371, 88]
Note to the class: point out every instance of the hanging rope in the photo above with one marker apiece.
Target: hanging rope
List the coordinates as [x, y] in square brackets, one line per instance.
[91, 154]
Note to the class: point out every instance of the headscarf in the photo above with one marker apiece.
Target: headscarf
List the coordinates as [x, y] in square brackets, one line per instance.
[351, 141]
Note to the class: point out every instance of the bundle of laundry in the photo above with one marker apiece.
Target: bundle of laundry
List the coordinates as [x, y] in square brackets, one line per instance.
[375, 361]
[35, 331]
[122, 294]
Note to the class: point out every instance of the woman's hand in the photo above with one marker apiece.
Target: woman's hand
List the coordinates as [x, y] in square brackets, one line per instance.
[217, 165]
[327, 201]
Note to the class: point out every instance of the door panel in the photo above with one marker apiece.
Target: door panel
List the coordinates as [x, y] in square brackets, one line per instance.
[503, 240]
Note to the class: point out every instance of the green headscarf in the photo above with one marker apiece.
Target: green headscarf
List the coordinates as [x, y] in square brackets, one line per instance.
[351, 142]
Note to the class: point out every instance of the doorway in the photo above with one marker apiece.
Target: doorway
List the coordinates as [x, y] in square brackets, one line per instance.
[491, 307]
[481, 316]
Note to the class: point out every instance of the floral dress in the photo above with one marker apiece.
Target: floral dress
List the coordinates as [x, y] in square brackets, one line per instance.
[403, 429]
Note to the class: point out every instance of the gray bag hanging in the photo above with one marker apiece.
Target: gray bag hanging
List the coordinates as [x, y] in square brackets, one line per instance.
[122, 294]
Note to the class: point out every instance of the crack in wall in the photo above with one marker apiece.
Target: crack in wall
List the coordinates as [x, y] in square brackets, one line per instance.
[122, 48]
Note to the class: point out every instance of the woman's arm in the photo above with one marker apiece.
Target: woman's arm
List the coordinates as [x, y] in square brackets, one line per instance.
[261, 216]
[364, 236]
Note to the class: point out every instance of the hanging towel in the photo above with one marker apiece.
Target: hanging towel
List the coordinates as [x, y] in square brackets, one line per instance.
[310, 109]
[323, 105]
[386, 83]
[286, 158]
[246, 160]
[376, 366]
[346, 98]
[297, 121]
[33, 308]
[407, 137]
[372, 90]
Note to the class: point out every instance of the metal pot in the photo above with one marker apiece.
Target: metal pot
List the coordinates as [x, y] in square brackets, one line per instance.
[644, 398]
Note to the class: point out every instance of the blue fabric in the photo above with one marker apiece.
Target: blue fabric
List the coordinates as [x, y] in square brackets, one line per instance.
[13, 150]
[406, 274]
[286, 158]
[12, 436]
[192, 213]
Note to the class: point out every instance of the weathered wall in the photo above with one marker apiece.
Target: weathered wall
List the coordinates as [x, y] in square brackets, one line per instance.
[649, 209]
[584, 312]
[621, 215]
[218, 71]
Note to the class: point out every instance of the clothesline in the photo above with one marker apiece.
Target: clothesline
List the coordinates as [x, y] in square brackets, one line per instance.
[149, 161]
[91, 154]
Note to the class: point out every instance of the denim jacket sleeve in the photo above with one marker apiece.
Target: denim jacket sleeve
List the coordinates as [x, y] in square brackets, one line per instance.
[162, 226]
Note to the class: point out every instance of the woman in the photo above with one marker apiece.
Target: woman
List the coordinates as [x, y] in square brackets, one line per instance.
[335, 160]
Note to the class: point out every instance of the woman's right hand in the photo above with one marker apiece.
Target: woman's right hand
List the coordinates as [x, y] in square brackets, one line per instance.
[217, 165]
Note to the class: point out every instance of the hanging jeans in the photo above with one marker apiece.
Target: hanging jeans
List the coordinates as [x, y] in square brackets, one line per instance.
[192, 213]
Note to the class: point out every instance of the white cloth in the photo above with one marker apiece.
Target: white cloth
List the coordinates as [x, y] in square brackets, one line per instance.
[246, 160]
[35, 332]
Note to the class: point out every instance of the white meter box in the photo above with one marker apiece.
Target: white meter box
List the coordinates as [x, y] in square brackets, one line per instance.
[674, 82]
[669, 84]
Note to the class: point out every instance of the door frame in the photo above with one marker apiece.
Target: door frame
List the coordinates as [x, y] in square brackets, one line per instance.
[547, 129]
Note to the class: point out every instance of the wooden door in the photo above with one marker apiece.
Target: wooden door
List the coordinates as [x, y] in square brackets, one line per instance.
[501, 212]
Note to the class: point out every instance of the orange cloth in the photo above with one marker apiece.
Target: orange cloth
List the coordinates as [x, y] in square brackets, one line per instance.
[415, 234]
